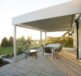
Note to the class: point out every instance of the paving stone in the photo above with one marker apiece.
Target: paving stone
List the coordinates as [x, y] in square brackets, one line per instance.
[32, 67]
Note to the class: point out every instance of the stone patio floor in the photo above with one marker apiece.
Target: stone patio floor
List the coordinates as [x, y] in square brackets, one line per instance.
[32, 67]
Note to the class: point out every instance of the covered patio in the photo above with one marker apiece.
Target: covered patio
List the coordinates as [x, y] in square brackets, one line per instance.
[63, 17]
[32, 67]
[44, 66]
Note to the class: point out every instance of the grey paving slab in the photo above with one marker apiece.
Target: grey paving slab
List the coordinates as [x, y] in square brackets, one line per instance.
[32, 67]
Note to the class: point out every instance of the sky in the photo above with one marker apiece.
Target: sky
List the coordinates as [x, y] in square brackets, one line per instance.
[12, 8]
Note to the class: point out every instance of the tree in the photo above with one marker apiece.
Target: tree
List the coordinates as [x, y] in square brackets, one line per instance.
[4, 42]
[11, 41]
[29, 39]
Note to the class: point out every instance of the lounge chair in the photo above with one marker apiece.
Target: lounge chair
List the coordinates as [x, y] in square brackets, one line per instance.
[31, 52]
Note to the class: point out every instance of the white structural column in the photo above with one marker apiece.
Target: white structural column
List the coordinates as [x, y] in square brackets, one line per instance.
[74, 36]
[45, 37]
[40, 38]
[14, 41]
[80, 41]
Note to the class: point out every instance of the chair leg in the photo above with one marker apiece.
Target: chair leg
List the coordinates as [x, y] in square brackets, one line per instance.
[36, 55]
[43, 52]
[25, 55]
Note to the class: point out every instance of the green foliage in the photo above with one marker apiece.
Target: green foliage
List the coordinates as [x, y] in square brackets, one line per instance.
[4, 42]
[29, 39]
[23, 45]
[1, 60]
[6, 50]
[53, 40]
[66, 41]
[7, 43]
[10, 41]
[34, 44]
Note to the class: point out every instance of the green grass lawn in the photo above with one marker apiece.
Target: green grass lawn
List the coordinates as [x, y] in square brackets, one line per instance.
[6, 50]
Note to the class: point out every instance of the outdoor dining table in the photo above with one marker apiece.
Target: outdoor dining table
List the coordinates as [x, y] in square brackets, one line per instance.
[54, 48]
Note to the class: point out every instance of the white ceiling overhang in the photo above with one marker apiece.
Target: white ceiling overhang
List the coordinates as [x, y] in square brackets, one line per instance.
[55, 18]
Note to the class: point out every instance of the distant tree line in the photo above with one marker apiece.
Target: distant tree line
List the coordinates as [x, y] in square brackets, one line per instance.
[23, 43]
[7, 43]
[66, 41]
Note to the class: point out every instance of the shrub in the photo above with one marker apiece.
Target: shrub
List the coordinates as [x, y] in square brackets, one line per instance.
[1, 60]
[22, 45]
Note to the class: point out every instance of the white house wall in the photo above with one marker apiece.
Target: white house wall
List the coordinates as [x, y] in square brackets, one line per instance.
[74, 36]
[80, 41]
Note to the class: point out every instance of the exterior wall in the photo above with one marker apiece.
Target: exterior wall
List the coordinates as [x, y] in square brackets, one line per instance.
[74, 36]
[80, 40]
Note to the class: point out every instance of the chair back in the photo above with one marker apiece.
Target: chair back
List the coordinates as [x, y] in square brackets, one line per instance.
[47, 50]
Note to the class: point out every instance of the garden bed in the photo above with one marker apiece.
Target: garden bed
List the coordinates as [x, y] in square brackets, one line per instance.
[3, 62]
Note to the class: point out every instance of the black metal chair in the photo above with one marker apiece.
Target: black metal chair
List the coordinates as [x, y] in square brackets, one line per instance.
[47, 50]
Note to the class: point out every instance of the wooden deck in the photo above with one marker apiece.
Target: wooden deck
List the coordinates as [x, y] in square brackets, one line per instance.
[68, 63]
[65, 65]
